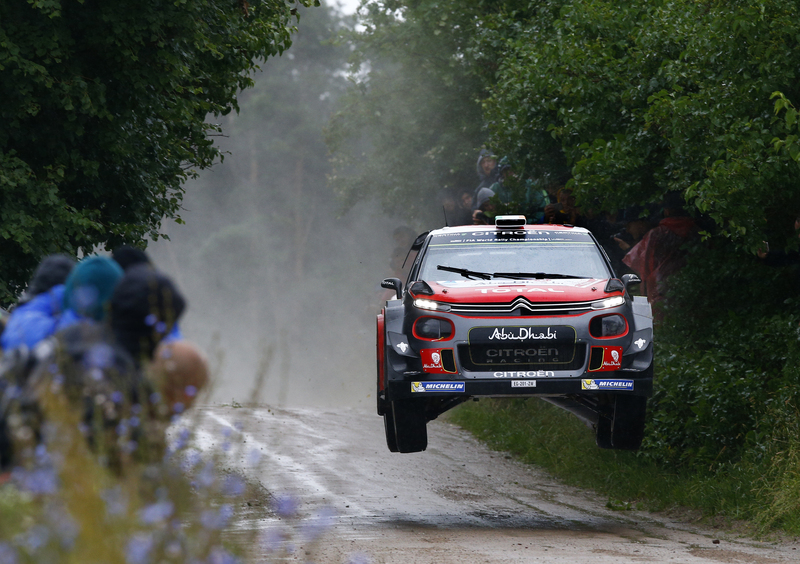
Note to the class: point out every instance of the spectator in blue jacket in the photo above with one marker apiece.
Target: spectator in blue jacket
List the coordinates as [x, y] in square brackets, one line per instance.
[35, 318]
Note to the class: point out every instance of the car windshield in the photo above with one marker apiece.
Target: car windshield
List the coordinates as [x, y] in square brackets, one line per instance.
[520, 254]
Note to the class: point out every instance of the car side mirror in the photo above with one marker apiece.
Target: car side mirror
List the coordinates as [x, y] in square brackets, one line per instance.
[393, 284]
[630, 280]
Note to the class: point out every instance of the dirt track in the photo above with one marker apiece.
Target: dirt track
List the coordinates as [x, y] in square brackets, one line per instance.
[456, 502]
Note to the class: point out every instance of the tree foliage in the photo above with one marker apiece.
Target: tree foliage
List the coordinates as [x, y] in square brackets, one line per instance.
[411, 123]
[103, 114]
[652, 97]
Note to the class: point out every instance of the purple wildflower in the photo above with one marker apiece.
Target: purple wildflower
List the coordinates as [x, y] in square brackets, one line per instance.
[151, 319]
[253, 457]
[139, 548]
[359, 558]
[191, 460]
[37, 481]
[116, 501]
[318, 525]
[178, 407]
[207, 476]
[233, 486]
[285, 505]
[215, 520]
[190, 391]
[7, 554]
[156, 512]
[100, 355]
[161, 327]
[117, 397]
[219, 555]
[33, 539]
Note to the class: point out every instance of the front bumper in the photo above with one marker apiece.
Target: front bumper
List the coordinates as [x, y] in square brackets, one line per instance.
[632, 383]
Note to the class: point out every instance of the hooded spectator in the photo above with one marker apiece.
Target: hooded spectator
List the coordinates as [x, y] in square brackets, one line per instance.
[127, 256]
[485, 212]
[51, 272]
[145, 308]
[88, 290]
[488, 173]
[37, 316]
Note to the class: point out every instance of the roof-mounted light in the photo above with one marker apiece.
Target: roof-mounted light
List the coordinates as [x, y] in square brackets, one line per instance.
[506, 221]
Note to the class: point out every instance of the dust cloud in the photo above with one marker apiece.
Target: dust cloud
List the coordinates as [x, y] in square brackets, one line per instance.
[282, 283]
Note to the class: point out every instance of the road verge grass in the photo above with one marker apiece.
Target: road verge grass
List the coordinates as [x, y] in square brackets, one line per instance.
[759, 497]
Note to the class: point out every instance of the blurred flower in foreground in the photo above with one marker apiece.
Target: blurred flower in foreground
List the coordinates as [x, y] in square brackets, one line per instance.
[285, 506]
[318, 525]
[157, 512]
[359, 558]
[7, 554]
[139, 548]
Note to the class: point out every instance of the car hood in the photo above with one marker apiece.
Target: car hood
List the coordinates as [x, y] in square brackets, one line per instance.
[502, 291]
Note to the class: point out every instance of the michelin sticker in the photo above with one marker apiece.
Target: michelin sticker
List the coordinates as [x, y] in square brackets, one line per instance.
[625, 385]
[437, 386]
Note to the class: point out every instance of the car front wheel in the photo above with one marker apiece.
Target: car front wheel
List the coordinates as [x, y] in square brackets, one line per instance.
[410, 431]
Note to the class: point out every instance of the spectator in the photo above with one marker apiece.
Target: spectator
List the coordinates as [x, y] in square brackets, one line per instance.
[659, 253]
[488, 173]
[127, 256]
[484, 214]
[40, 309]
[88, 290]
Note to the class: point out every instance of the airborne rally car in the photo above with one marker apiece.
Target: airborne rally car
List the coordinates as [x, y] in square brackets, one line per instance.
[514, 310]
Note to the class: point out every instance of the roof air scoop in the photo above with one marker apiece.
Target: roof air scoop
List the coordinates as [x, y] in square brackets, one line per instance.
[506, 221]
[421, 287]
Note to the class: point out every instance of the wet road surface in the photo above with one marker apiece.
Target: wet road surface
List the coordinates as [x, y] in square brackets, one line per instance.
[456, 502]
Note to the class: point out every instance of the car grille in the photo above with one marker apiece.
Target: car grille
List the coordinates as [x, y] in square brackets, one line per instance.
[521, 307]
[522, 348]
[469, 354]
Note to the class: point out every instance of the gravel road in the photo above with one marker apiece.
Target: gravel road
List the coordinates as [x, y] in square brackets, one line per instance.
[457, 502]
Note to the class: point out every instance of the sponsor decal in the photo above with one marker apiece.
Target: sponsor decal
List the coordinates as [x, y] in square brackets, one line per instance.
[523, 383]
[518, 290]
[425, 387]
[625, 385]
[522, 334]
[612, 359]
[432, 361]
[402, 346]
[526, 374]
[639, 343]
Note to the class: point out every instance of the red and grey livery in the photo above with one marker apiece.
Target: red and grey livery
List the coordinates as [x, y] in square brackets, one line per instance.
[514, 310]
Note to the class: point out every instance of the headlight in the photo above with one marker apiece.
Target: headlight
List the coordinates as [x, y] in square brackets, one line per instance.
[616, 301]
[431, 305]
[433, 329]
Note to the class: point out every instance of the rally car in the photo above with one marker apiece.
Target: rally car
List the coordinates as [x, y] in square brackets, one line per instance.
[514, 310]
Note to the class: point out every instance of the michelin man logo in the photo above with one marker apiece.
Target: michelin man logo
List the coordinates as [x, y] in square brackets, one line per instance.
[589, 385]
[436, 357]
[417, 387]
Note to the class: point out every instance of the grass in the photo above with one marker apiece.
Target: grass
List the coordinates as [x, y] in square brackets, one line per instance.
[759, 498]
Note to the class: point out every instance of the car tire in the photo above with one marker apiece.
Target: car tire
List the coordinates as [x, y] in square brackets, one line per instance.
[627, 427]
[410, 430]
[391, 438]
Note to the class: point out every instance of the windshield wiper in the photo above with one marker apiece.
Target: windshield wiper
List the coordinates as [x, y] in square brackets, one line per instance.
[464, 272]
[532, 275]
